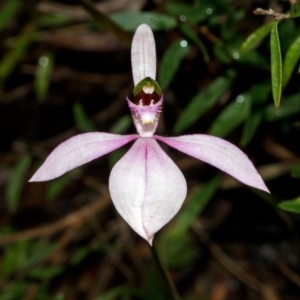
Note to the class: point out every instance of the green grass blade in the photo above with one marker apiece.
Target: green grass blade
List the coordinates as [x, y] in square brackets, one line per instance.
[170, 62]
[16, 182]
[232, 116]
[276, 65]
[290, 61]
[255, 38]
[201, 103]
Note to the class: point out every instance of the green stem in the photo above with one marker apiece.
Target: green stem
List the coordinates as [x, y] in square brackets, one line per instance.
[167, 281]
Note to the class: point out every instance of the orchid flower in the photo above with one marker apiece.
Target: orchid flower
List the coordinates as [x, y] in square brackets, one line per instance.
[145, 185]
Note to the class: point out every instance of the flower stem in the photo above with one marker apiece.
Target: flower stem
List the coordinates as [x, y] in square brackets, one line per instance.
[167, 281]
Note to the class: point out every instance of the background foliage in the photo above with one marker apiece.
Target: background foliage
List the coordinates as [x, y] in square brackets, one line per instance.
[65, 69]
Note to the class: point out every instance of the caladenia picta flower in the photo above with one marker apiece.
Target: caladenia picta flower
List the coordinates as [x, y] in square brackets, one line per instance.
[145, 185]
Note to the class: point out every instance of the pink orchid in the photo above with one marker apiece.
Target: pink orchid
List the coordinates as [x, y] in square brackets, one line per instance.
[146, 187]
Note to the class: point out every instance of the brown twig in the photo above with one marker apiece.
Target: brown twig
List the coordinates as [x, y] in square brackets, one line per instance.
[73, 219]
[234, 269]
[270, 12]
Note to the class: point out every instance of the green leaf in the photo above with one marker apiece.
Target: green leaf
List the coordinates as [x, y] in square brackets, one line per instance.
[170, 62]
[131, 20]
[113, 293]
[38, 253]
[122, 125]
[190, 34]
[186, 12]
[295, 10]
[295, 172]
[81, 118]
[13, 258]
[231, 116]
[16, 182]
[290, 61]
[14, 55]
[291, 205]
[56, 186]
[8, 11]
[193, 208]
[289, 107]
[43, 76]
[201, 103]
[250, 127]
[44, 273]
[276, 65]
[255, 38]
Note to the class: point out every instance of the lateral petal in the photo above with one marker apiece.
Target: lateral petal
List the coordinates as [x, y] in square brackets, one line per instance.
[147, 188]
[77, 151]
[219, 153]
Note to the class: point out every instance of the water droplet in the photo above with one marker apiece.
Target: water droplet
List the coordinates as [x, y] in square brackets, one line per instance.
[183, 43]
[240, 99]
[209, 11]
[43, 61]
[236, 55]
[182, 18]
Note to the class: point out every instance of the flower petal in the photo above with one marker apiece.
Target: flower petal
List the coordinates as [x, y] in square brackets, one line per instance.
[145, 118]
[219, 153]
[77, 151]
[143, 54]
[147, 188]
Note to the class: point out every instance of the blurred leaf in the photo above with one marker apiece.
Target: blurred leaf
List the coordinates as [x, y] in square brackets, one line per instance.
[170, 62]
[250, 127]
[130, 20]
[8, 11]
[43, 76]
[295, 10]
[222, 54]
[15, 54]
[122, 125]
[290, 60]
[54, 20]
[13, 258]
[81, 119]
[38, 253]
[295, 172]
[113, 293]
[14, 290]
[106, 22]
[291, 205]
[193, 208]
[44, 273]
[154, 287]
[254, 38]
[276, 65]
[56, 186]
[190, 34]
[201, 103]
[186, 12]
[260, 92]
[16, 182]
[290, 106]
[231, 116]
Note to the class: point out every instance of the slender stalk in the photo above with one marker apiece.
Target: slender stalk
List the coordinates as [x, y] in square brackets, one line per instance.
[106, 22]
[167, 281]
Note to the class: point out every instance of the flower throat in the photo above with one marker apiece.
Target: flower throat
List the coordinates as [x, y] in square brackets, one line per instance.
[147, 92]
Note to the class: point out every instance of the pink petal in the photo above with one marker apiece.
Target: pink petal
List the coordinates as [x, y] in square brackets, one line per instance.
[147, 188]
[77, 151]
[143, 54]
[220, 154]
